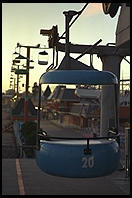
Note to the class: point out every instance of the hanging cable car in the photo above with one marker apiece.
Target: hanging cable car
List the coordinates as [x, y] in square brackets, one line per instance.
[75, 157]
[30, 67]
[15, 61]
[13, 69]
[43, 58]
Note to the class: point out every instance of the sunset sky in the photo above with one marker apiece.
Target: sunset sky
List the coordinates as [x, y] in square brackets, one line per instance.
[21, 22]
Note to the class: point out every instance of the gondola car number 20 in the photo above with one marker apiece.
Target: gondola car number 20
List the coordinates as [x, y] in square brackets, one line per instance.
[88, 162]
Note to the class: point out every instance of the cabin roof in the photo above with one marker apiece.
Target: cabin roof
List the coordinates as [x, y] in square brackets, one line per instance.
[78, 77]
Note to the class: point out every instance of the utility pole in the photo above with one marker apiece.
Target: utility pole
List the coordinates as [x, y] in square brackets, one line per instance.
[17, 83]
[26, 106]
[14, 84]
[27, 85]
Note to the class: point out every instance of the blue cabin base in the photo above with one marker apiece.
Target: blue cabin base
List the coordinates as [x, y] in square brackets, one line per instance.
[67, 158]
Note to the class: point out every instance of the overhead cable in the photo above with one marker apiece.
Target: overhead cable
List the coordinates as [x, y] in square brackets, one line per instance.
[79, 13]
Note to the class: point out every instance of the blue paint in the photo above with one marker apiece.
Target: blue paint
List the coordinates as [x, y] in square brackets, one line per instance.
[67, 158]
[20, 133]
[20, 125]
[81, 77]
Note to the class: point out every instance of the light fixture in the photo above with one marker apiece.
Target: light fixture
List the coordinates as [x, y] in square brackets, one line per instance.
[31, 61]
[15, 53]
[20, 57]
[43, 53]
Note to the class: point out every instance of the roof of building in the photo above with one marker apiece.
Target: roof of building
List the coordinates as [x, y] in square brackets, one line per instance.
[87, 93]
[61, 93]
[47, 92]
[19, 108]
[67, 95]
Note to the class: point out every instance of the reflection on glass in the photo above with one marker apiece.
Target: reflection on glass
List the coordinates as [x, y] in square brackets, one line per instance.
[71, 110]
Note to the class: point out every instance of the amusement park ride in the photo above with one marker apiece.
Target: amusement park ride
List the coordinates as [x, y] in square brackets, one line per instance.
[69, 156]
[78, 157]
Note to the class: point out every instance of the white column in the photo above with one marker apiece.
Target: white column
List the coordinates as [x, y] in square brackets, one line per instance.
[110, 63]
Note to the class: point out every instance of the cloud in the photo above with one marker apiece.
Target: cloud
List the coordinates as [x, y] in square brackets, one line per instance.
[92, 9]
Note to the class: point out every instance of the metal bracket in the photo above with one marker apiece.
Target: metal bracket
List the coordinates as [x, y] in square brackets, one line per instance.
[87, 151]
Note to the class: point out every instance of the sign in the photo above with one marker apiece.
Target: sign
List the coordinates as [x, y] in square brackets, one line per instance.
[21, 71]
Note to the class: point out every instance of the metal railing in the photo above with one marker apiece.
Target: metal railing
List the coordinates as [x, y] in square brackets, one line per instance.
[23, 151]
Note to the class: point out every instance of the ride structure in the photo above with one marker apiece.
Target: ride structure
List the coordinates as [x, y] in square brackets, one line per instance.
[78, 157]
[71, 156]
